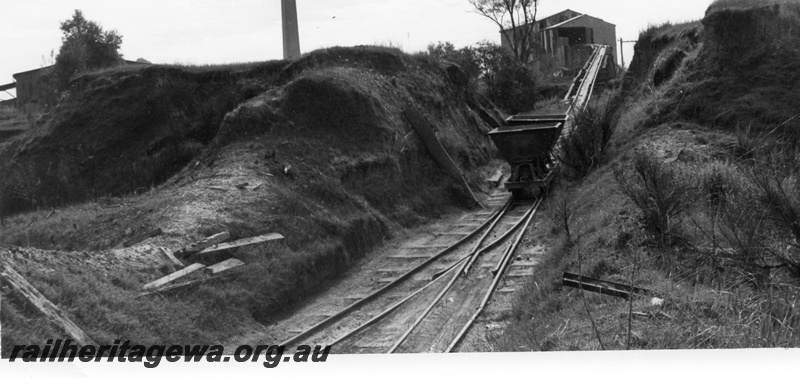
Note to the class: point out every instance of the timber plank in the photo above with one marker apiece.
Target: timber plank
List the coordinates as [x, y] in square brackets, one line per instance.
[241, 243]
[410, 257]
[391, 270]
[171, 257]
[225, 265]
[164, 289]
[174, 276]
[140, 237]
[453, 233]
[202, 244]
[439, 154]
[47, 308]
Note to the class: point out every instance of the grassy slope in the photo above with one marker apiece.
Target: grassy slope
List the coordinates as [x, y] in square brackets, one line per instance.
[330, 164]
[688, 88]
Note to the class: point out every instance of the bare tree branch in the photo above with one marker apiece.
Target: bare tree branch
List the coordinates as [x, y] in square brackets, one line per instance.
[516, 19]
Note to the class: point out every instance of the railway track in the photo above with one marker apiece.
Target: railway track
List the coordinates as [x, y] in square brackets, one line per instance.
[426, 296]
[408, 290]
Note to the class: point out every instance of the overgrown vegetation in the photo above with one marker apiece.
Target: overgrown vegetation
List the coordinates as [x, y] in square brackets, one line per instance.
[584, 147]
[515, 19]
[124, 146]
[315, 149]
[493, 71]
[660, 192]
[85, 46]
[699, 201]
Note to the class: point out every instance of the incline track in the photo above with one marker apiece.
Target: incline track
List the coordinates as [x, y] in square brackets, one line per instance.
[582, 87]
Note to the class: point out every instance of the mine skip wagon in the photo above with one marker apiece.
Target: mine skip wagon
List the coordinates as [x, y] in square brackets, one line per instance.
[526, 143]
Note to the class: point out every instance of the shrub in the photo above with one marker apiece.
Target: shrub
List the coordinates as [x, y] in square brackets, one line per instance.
[464, 57]
[780, 197]
[659, 192]
[562, 211]
[583, 148]
[719, 183]
[513, 87]
[508, 83]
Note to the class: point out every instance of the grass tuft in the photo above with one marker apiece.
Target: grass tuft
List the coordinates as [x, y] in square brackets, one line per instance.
[583, 148]
[660, 192]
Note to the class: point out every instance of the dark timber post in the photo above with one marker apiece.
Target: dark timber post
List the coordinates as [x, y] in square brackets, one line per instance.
[291, 37]
[621, 53]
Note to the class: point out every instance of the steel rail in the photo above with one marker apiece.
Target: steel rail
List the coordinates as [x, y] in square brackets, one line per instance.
[485, 235]
[391, 308]
[587, 76]
[464, 269]
[586, 72]
[388, 286]
[579, 78]
[437, 276]
[593, 72]
[591, 69]
[510, 252]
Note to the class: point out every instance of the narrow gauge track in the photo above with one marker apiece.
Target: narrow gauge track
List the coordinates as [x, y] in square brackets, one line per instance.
[447, 304]
[411, 290]
[431, 306]
[455, 304]
[444, 322]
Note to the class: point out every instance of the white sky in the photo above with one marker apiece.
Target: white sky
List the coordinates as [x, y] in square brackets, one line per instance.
[228, 31]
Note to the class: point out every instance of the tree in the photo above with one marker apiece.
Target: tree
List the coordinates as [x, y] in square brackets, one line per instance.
[492, 59]
[85, 46]
[464, 57]
[516, 21]
[509, 83]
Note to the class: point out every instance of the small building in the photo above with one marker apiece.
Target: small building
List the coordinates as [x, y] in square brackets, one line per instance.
[30, 88]
[563, 37]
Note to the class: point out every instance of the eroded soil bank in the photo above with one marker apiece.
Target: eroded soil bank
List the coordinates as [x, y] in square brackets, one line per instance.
[315, 149]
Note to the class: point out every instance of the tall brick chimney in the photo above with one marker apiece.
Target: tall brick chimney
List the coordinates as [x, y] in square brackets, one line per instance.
[291, 37]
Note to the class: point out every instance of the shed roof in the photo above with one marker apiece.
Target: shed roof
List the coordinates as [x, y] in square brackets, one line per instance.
[571, 20]
[557, 14]
[124, 61]
[29, 71]
[560, 24]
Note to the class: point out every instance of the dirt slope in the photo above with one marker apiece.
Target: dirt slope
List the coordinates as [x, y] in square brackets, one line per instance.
[327, 159]
[693, 199]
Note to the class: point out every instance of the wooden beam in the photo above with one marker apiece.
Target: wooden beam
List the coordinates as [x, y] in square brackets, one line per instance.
[47, 308]
[426, 133]
[140, 237]
[181, 285]
[225, 265]
[203, 244]
[241, 243]
[174, 276]
[171, 257]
